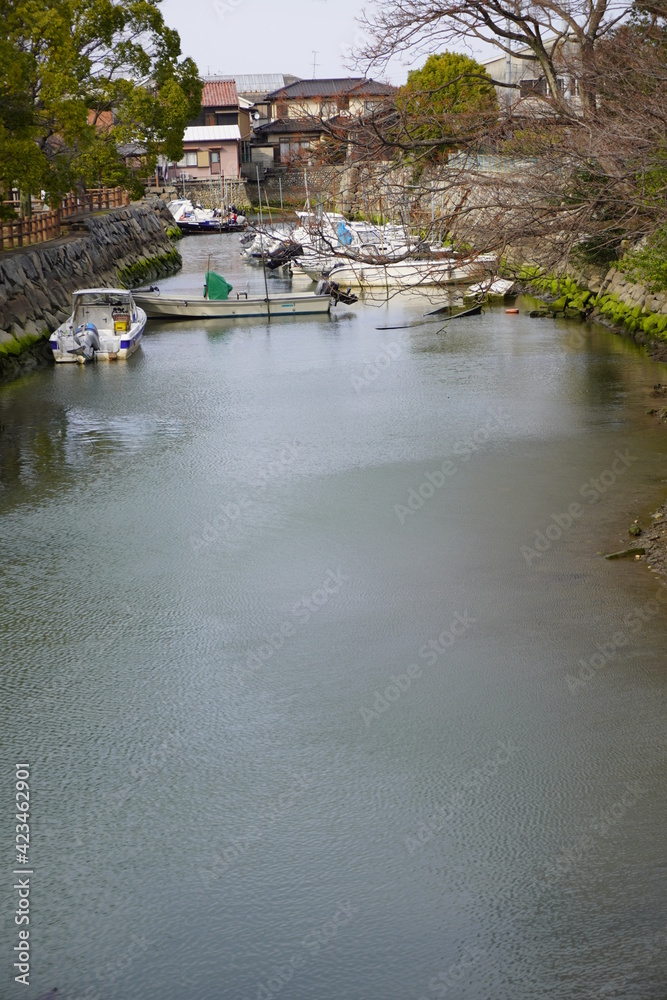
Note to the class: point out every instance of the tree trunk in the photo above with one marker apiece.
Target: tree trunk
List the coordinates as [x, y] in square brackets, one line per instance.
[25, 204]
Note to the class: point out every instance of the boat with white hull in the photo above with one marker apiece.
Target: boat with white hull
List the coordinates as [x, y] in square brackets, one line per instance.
[407, 273]
[106, 324]
[159, 306]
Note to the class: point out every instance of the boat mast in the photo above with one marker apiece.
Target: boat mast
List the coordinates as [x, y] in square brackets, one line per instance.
[261, 243]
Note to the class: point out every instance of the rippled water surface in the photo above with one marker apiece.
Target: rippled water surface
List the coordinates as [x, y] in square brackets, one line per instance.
[326, 691]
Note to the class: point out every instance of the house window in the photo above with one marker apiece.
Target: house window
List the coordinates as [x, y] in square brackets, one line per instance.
[202, 158]
[226, 118]
[191, 159]
[292, 149]
[209, 118]
[215, 156]
[528, 87]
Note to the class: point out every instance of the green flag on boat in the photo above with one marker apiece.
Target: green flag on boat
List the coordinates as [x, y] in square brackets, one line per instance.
[216, 287]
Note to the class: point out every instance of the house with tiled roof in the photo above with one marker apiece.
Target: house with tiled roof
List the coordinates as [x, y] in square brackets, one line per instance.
[329, 97]
[285, 142]
[303, 113]
[221, 105]
[213, 142]
[255, 88]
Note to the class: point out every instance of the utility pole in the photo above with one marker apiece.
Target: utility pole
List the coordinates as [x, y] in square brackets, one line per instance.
[314, 51]
[508, 69]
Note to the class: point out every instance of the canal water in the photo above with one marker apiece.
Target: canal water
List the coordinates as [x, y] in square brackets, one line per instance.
[325, 688]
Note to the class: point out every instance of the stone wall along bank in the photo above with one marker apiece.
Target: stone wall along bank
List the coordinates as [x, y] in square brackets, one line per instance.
[611, 298]
[127, 247]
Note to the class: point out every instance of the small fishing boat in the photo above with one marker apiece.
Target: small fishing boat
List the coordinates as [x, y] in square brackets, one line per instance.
[106, 325]
[208, 226]
[194, 220]
[493, 287]
[217, 303]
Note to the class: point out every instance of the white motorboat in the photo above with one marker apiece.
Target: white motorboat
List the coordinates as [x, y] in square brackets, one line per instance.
[407, 273]
[324, 240]
[183, 210]
[106, 325]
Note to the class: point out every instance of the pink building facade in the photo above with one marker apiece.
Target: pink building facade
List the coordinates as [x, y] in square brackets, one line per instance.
[210, 151]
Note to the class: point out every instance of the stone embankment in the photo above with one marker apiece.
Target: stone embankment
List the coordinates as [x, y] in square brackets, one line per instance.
[127, 247]
[611, 298]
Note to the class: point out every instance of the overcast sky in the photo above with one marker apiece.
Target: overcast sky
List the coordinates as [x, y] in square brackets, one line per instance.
[226, 37]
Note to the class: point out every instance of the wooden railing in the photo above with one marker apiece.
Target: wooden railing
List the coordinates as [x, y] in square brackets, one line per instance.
[46, 225]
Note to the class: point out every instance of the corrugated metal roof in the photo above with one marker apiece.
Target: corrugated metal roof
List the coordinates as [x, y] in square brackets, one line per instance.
[333, 87]
[207, 133]
[262, 83]
[220, 94]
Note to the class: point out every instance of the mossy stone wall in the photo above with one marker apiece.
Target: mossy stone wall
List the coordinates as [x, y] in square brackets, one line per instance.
[127, 247]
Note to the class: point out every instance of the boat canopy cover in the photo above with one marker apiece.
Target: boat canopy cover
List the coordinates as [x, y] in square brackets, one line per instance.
[216, 287]
[344, 235]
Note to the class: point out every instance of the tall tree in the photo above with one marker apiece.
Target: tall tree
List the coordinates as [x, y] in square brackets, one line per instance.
[542, 27]
[81, 66]
[580, 172]
[449, 97]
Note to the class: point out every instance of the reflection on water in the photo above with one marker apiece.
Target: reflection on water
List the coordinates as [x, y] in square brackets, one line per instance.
[299, 712]
[59, 444]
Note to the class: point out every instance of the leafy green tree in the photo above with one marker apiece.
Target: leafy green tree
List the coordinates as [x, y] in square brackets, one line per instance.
[79, 78]
[449, 100]
[19, 153]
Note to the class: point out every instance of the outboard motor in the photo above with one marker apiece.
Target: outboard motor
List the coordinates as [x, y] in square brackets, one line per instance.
[88, 341]
[283, 254]
[337, 294]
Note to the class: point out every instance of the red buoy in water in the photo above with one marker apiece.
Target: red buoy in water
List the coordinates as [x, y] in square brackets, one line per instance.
[511, 312]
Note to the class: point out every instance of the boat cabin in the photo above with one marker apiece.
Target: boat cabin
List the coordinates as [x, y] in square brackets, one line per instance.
[109, 309]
